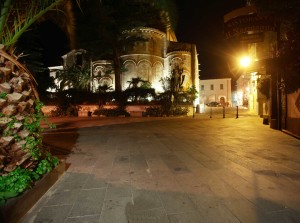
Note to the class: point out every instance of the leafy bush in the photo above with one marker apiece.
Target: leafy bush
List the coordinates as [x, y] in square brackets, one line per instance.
[178, 111]
[154, 111]
[21, 179]
[160, 111]
[113, 112]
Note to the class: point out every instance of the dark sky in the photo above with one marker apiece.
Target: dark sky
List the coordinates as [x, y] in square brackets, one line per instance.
[201, 23]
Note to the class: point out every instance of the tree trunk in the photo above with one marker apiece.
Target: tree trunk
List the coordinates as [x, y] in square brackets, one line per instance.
[117, 65]
[17, 103]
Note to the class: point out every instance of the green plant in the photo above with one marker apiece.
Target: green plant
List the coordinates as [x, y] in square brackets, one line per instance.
[46, 165]
[14, 22]
[3, 95]
[19, 180]
[18, 168]
[154, 111]
[32, 124]
[111, 112]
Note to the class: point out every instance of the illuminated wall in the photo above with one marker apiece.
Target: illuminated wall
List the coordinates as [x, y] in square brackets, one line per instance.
[151, 58]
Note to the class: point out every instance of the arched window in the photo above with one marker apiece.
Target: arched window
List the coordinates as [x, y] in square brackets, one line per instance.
[128, 73]
[176, 61]
[158, 73]
[106, 81]
[144, 70]
[99, 71]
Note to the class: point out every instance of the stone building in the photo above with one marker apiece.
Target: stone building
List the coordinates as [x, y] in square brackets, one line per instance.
[150, 59]
[215, 90]
[259, 37]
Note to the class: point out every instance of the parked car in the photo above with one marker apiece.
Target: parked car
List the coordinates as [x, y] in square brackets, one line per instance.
[214, 104]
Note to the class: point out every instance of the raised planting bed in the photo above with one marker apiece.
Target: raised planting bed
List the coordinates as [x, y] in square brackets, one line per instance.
[15, 208]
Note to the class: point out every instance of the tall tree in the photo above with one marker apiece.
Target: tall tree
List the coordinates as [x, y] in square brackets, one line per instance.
[21, 147]
[75, 77]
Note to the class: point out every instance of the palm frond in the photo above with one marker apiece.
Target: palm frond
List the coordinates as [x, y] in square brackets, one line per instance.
[18, 16]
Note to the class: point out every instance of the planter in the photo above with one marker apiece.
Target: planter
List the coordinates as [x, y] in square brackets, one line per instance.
[265, 120]
[15, 208]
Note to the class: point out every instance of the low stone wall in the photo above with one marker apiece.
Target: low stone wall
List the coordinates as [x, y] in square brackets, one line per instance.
[88, 110]
[47, 109]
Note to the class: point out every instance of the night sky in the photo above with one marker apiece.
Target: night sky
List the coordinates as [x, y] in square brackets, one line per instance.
[201, 23]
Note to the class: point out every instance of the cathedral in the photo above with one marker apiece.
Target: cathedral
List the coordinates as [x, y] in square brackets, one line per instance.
[150, 59]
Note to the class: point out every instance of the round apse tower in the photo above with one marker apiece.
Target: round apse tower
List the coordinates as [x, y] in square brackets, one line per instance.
[143, 56]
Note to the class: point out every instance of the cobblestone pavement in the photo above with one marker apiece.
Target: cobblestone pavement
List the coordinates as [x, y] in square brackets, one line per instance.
[172, 170]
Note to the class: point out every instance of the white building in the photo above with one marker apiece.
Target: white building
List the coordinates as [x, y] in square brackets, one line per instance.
[247, 94]
[218, 90]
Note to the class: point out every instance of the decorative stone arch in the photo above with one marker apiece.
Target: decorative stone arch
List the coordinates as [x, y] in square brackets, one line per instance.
[129, 67]
[222, 100]
[157, 74]
[176, 61]
[99, 71]
[179, 61]
[187, 79]
[157, 70]
[144, 70]
[100, 81]
[129, 72]
[106, 81]
[101, 67]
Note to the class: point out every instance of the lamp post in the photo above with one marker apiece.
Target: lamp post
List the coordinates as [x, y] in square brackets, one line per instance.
[245, 62]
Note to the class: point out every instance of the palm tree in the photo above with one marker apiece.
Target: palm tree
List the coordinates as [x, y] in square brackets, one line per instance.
[139, 88]
[135, 81]
[20, 114]
[75, 77]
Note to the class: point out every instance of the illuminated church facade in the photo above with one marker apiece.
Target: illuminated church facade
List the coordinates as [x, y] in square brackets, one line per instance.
[150, 59]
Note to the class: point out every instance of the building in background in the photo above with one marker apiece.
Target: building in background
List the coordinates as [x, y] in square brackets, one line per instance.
[150, 59]
[215, 90]
[259, 38]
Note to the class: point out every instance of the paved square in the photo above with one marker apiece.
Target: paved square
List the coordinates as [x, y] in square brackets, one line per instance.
[177, 170]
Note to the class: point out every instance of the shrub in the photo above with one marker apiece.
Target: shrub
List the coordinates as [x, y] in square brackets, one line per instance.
[113, 112]
[19, 180]
[154, 111]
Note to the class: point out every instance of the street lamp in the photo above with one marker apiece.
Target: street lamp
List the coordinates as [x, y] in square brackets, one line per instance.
[245, 61]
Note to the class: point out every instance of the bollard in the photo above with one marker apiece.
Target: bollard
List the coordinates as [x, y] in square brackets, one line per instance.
[237, 111]
[223, 111]
[210, 113]
[194, 112]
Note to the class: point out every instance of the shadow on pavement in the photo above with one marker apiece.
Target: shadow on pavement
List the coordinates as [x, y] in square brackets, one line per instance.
[60, 142]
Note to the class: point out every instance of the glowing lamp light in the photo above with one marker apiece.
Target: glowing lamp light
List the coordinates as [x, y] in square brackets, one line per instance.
[245, 61]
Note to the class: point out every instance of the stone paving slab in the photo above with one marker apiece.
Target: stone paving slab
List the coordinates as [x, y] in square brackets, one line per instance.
[176, 170]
